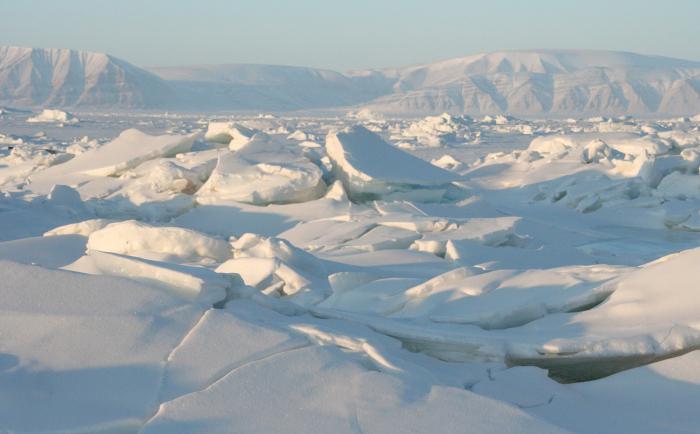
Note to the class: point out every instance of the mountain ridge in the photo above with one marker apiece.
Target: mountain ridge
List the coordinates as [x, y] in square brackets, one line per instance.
[520, 82]
[65, 78]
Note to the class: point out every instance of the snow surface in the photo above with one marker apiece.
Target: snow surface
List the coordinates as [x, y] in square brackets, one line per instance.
[194, 273]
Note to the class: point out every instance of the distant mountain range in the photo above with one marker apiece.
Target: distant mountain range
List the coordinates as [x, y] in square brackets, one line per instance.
[270, 87]
[537, 82]
[33, 77]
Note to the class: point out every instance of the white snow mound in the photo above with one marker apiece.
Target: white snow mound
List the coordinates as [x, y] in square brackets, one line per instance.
[139, 239]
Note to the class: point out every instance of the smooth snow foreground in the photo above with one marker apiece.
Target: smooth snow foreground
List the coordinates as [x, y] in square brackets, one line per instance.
[265, 274]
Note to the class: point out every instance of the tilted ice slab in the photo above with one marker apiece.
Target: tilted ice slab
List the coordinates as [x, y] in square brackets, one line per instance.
[127, 151]
[497, 231]
[343, 236]
[506, 298]
[368, 294]
[437, 130]
[371, 168]
[651, 314]
[277, 268]
[192, 283]
[263, 172]
[131, 148]
[495, 300]
[370, 232]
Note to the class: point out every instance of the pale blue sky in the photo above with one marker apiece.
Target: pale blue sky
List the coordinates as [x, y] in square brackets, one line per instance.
[348, 34]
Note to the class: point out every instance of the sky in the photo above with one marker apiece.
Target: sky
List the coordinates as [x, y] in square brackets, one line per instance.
[344, 35]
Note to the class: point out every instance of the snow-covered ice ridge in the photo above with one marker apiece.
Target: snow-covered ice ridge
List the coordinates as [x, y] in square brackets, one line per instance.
[166, 273]
[550, 83]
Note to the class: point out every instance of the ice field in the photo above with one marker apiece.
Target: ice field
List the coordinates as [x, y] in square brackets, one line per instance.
[186, 273]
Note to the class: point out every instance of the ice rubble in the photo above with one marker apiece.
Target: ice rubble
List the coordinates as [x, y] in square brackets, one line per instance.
[155, 190]
[440, 130]
[234, 218]
[112, 159]
[276, 267]
[234, 135]
[260, 173]
[54, 115]
[190, 274]
[623, 177]
[448, 162]
[191, 283]
[643, 319]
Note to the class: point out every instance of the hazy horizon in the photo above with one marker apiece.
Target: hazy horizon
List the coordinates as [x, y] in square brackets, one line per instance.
[363, 35]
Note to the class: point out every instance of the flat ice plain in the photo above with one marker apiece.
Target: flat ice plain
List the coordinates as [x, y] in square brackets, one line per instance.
[261, 274]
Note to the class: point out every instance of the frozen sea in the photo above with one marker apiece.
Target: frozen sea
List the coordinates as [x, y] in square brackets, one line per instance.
[259, 273]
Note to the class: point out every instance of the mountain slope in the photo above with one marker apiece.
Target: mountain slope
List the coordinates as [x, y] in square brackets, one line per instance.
[68, 78]
[546, 81]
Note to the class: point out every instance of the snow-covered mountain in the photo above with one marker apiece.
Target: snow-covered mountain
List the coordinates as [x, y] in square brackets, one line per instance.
[36, 77]
[542, 82]
[547, 81]
[33, 77]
